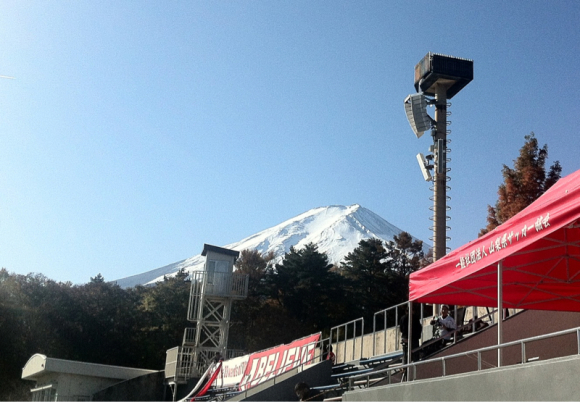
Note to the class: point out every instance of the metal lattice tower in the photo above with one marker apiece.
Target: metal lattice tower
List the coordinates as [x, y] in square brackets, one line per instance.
[213, 291]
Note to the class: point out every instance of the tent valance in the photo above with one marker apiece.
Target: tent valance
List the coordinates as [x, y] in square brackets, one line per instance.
[540, 252]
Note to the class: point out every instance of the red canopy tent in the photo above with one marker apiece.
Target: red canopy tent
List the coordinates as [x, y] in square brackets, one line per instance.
[537, 252]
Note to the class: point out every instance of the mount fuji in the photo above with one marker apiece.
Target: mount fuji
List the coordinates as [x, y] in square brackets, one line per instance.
[336, 230]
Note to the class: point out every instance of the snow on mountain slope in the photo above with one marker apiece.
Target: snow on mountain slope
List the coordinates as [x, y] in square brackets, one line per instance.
[336, 230]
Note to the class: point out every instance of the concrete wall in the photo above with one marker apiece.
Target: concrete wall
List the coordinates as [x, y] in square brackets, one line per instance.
[556, 379]
[145, 388]
[73, 387]
[351, 349]
[346, 352]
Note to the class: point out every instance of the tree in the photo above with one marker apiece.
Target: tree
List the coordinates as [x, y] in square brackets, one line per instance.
[379, 272]
[162, 318]
[248, 329]
[13, 348]
[523, 184]
[307, 289]
[98, 279]
[28, 307]
[97, 322]
[404, 256]
[255, 265]
[365, 269]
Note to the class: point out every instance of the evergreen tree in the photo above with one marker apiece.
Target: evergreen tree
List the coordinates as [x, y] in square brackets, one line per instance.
[97, 279]
[99, 323]
[523, 184]
[379, 272]
[161, 311]
[365, 269]
[248, 329]
[307, 289]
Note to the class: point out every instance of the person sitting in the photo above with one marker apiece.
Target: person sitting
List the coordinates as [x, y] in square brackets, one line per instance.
[304, 392]
[331, 356]
[479, 325]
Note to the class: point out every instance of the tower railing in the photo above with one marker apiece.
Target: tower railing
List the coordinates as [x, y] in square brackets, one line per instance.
[215, 285]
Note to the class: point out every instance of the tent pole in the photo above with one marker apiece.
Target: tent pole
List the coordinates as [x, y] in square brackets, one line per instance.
[409, 336]
[499, 309]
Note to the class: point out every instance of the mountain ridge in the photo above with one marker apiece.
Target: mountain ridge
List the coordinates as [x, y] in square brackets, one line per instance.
[335, 229]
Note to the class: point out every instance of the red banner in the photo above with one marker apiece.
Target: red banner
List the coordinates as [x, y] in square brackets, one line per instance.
[267, 364]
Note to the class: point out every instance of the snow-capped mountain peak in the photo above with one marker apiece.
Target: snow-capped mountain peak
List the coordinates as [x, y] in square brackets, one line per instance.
[336, 230]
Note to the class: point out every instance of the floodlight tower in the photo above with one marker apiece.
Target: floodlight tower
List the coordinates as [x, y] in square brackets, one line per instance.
[441, 77]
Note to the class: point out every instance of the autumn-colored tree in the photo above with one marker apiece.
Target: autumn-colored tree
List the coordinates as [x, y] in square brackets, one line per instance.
[523, 183]
[405, 256]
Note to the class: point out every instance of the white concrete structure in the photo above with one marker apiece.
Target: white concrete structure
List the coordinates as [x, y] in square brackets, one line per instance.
[66, 380]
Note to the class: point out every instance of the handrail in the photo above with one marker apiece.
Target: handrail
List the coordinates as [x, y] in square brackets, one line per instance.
[387, 331]
[346, 326]
[443, 359]
[384, 313]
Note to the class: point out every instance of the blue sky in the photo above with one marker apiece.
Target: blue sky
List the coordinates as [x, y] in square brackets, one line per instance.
[136, 131]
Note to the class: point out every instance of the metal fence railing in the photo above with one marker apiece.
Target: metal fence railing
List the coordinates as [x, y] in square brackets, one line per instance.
[340, 334]
[390, 315]
[369, 378]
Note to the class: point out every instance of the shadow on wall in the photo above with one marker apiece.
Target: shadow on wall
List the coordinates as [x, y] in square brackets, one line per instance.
[148, 387]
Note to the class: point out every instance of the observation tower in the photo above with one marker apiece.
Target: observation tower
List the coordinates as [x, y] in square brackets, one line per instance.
[212, 293]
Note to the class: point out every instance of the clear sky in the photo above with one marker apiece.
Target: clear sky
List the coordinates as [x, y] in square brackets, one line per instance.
[136, 131]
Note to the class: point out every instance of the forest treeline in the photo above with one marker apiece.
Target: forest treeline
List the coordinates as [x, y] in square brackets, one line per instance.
[100, 322]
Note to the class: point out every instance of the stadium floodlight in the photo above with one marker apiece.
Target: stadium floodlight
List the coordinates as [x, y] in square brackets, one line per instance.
[424, 165]
[416, 109]
[438, 70]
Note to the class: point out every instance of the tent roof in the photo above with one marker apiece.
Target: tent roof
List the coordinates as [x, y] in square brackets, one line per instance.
[540, 253]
